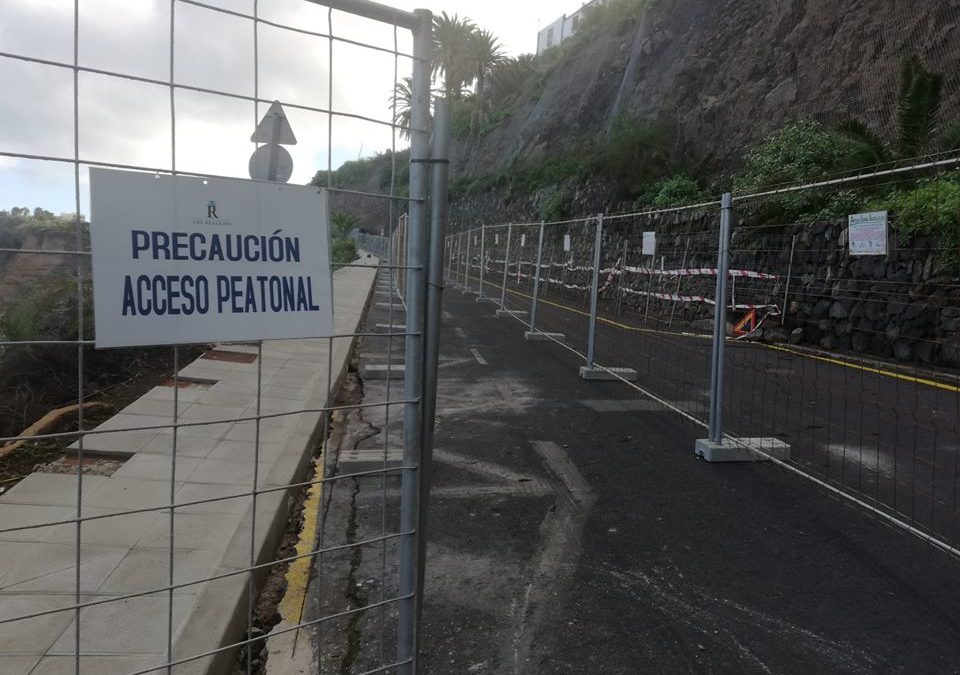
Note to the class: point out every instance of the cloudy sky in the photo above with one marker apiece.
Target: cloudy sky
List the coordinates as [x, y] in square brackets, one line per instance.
[123, 121]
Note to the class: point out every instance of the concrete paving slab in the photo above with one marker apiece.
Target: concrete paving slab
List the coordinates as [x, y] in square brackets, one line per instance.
[230, 499]
[186, 394]
[18, 665]
[203, 412]
[245, 451]
[41, 567]
[36, 635]
[131, 626]
[144, 569]
[156, 467]
[127, 421]
[32, 516]
[122, 529]
[116, 442]
[228, 472]
[51, 489]
[129, 493]
[187, 446]
[97, 665]
[192, 530]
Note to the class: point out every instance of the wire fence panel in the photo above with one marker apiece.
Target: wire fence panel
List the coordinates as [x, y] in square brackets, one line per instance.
[840, 343]
[147, 536]
[857, 364]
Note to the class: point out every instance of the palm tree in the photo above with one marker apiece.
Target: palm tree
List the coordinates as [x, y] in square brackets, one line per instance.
[400, 104]
[484, 54]
[451, 53]
[918, 107]
[509, 80]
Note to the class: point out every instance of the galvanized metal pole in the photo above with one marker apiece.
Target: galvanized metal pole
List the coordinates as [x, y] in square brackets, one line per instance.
[683, 266]
[536, 282]
[623, 275]
[594, 292]
[407, 624]
[483, 254]
[786, 292]
[720, 321]
[466, 266]
[438, 224]
[506, 265]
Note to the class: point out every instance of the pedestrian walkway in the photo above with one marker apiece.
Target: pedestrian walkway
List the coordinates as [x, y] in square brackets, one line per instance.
[123, 627]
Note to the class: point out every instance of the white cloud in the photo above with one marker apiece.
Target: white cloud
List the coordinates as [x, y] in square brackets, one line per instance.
[128, 122]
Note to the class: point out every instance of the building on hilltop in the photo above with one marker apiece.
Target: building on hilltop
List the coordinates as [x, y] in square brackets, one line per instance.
[564, 27]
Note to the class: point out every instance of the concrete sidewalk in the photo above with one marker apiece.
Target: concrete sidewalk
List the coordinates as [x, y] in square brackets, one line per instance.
[128, 554]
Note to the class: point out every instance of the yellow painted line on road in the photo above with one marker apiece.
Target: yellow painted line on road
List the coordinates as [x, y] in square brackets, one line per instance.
[867, 369]
[796, 352]
[609, 322]
[292, 604]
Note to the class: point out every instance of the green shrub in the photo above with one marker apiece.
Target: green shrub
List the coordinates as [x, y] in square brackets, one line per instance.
[344, 251]
[930, 208]
[636, 154]
[556, 206]
[799, 153]
[678, 190]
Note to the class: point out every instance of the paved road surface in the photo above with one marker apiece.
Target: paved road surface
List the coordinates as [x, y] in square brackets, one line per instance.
[572, 531]
[884, 437]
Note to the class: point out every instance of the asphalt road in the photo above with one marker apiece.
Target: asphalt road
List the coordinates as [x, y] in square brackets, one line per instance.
[573, 531]
[885, 437]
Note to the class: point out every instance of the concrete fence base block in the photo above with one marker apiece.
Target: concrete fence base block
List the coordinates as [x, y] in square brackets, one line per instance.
[608, 374]
[511, 312]
[741, 450]
[542, 337]
[482, 299]
[376, 371]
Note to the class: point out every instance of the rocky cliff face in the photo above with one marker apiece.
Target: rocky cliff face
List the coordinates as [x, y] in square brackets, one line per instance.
[729, 72]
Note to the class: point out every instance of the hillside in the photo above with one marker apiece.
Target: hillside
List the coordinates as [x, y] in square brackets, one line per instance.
[716, 77]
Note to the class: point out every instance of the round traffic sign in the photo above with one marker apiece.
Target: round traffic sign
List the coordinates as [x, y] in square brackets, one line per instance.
[271, 162]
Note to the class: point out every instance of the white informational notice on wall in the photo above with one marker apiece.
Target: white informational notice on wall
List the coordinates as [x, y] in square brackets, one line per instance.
[566, 243]
[649, 243]
[868, 233]
[180, 260]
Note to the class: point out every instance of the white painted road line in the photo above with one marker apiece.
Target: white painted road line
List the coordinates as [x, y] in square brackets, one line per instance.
[482, 361]
[459, 331]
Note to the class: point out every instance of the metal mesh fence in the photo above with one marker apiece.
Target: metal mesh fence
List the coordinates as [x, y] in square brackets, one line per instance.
[150, 546]
[839, 361]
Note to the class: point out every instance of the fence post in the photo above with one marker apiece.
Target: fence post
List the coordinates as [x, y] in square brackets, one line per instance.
[536, 282]
[594, 292]
[786, 292]
[407, 624]
[466, 265]
[438, 223]
[483, 253]
[506, 263]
